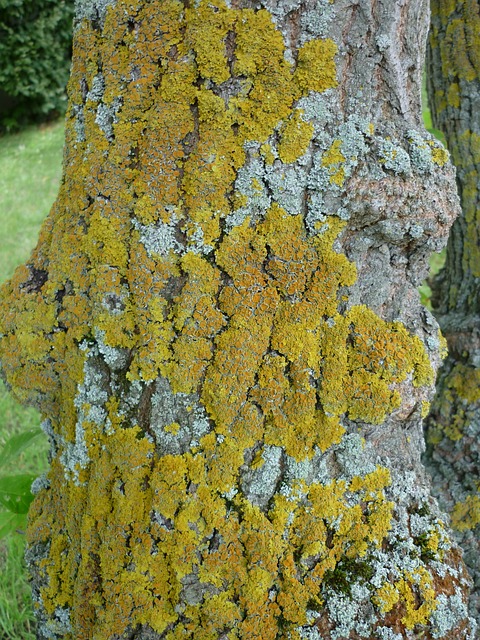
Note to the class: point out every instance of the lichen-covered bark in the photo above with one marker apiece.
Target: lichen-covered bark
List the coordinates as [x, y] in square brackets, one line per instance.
[454, 425]
[221, 327]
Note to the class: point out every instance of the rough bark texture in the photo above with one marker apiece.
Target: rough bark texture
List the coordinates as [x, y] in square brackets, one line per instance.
[221, 326]
[453, 429]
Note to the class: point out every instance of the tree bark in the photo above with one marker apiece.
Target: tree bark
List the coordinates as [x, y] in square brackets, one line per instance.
[453, 428]
[221, 327]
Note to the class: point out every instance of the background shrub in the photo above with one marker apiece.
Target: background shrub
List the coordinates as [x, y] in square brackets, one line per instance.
[35, 51]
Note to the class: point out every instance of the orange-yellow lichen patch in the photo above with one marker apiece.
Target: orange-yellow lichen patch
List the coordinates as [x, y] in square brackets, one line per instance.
[183, 490]
[377, 354]
[461, 48]
[314, 524]
[465, 382]
[289, 402]
[207, 27]
[466, 514]
[113, 506]
[196, 315]
[461, 389]
[440, 155]
[315, 66]
[333, 159]
[267, 153]
[144, 169]
[259, 56]
[414, 591]
[293, 259]
[296, 329]
[295, 137]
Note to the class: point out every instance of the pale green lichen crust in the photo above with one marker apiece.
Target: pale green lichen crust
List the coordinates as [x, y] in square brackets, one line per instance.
[189, 340]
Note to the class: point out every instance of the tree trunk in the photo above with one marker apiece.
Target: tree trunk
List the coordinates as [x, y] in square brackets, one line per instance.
[221, 326]
[453, 428]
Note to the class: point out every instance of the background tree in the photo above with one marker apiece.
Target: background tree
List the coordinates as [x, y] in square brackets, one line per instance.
[454, 424]
[35, 51]
[221, 326]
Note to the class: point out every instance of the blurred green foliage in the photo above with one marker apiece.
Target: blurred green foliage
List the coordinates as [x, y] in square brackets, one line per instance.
[35, 52]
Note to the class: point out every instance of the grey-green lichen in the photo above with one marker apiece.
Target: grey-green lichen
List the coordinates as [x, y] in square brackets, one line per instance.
[159, 238]
[394, 158]
[92, 9]
[317, 20]
[449, 611]
[178, 420]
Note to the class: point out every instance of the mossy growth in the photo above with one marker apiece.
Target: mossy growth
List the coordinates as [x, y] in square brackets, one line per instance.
[348, 572]
[427, 545]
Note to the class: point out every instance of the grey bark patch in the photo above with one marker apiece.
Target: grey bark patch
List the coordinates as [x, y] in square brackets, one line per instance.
[354, 457]
[182, 409]
[79, 124]
[92, 9]
[107, 116]
[159, 238]
[260, 484]
[97, 89]
[194, 591]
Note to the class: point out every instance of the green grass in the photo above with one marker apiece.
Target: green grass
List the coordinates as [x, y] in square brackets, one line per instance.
[16, 614]
[30, 164]
[16, 618]
[30, 170]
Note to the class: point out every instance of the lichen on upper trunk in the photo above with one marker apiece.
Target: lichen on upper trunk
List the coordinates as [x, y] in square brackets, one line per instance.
[221, 326]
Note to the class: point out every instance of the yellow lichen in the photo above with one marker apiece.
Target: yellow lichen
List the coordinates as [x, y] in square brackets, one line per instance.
[443, 345]
[386, 597]
[453, 95]
[359, 379]
[207, 27]
[461, 392]
[295, 136]
[425, 408]
[247, 318]
[315, 66]
[333, 159]
[267, 153]
[414, 592]
[466, 514]
[440, 155]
